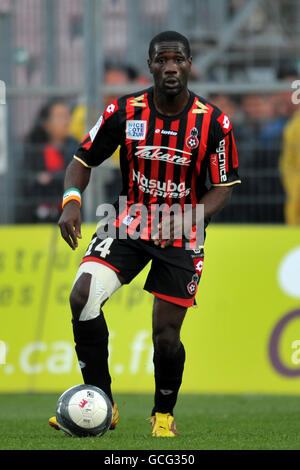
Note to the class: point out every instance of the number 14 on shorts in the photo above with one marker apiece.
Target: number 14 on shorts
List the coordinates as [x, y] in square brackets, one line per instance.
[103, 247]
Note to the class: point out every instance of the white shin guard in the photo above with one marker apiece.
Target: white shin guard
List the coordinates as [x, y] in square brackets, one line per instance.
[104, 282]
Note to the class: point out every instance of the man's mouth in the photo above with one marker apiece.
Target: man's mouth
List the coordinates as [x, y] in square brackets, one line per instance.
[171, 82]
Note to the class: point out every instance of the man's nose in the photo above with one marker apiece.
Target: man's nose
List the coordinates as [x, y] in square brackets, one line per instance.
[171, 67]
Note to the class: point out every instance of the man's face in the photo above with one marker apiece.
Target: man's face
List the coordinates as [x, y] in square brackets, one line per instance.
[170, 67]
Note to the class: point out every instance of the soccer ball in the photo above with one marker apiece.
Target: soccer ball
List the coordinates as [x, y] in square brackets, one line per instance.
[84, 410]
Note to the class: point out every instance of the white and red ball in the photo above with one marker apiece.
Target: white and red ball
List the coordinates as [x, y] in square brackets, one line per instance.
[84, 410]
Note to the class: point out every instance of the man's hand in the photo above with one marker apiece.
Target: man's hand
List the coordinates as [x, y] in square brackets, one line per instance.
[70, 224]
[169, 230]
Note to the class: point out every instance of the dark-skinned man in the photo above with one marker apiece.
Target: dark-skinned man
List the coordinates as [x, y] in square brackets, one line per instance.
[170, 141]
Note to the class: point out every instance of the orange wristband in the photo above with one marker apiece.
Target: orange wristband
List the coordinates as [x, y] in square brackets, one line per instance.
[72, 194]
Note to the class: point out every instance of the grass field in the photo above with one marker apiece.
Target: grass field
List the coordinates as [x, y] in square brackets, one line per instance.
[204, 422]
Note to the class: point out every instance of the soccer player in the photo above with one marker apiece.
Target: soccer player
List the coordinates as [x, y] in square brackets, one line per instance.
[170, 141]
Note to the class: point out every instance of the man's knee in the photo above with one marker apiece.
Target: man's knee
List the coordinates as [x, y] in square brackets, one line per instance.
[166, 341]
[80, 294]
[167, 321]
[93, 285]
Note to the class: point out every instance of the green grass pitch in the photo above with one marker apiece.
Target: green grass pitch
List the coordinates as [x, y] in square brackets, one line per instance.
[204, 421]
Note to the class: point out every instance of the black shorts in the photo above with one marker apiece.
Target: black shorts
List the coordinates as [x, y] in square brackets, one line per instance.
[174, 274]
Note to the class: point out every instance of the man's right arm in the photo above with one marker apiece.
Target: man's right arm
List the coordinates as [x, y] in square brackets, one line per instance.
[98, 145]
[77, 176]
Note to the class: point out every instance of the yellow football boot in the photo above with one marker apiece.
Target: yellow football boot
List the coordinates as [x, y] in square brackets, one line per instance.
[115, 419]
[163, 425]
[53, 423]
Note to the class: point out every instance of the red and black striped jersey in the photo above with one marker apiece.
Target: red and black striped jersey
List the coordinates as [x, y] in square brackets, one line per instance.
[164, 159]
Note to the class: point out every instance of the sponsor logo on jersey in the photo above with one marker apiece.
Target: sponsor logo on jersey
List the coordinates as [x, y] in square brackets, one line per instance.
[163, 132]
[153, 152]
[157, 188]
[136, 130]
[222, 160]
[110, 110]
[225, 123]
[214, 159]
[192, 141]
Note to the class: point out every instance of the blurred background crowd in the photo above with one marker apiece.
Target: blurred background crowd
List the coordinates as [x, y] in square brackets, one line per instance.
[63, 61]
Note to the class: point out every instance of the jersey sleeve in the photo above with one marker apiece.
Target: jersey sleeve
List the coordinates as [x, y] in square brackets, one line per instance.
[102, 140]
[223, 160]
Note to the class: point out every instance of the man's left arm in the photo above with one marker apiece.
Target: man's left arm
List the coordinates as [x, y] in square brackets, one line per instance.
[222, 167]
[214, 200]
[223, 175]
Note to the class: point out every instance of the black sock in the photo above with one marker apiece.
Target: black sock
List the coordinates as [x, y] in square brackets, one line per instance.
[91, 339]
[168, 376]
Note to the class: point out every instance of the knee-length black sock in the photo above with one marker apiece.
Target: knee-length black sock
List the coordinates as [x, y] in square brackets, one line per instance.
[91, 345]
[168, 372]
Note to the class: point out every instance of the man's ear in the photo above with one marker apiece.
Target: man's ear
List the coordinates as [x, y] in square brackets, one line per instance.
[190, 60]
[149, 62]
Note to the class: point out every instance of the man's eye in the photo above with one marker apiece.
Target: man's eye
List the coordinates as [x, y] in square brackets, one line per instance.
[179, 59]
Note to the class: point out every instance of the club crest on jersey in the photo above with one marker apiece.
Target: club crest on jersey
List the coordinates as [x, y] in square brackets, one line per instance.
[192, 141]
[136, 130]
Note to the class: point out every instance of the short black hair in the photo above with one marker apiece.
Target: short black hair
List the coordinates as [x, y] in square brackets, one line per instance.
[169, 36]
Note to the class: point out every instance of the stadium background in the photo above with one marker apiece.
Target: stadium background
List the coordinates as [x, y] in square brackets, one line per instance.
[245, 335]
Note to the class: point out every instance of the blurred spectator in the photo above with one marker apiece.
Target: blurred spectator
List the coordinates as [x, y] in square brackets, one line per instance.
[48, 149]
[285, 107]
[290, 170]
[261, 113]
[290, 156]
[258, 137]
[114, 75]
[228, 105]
